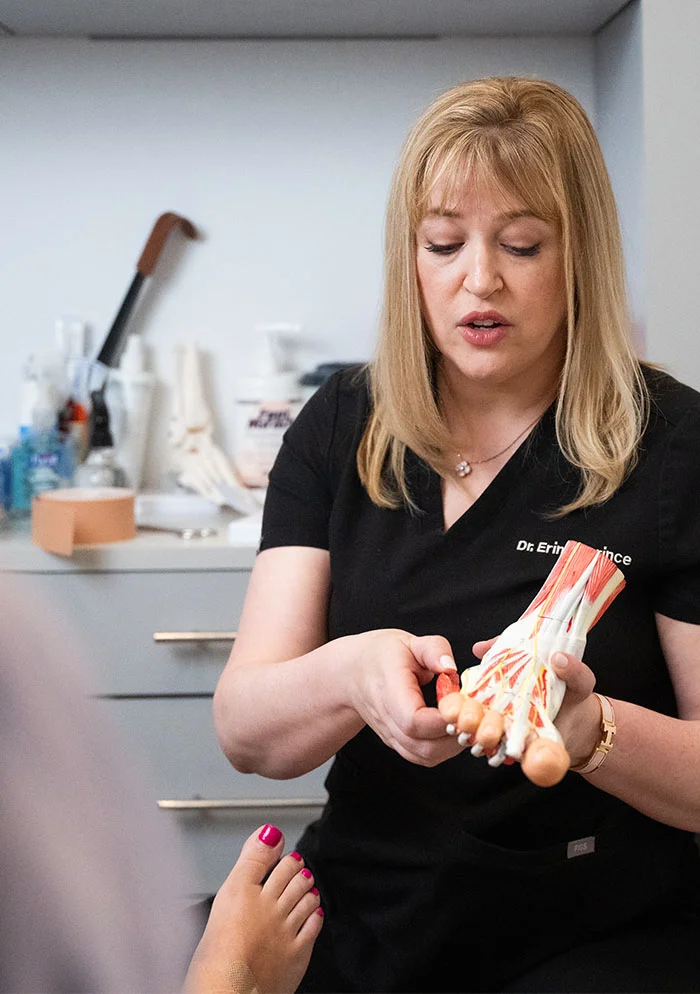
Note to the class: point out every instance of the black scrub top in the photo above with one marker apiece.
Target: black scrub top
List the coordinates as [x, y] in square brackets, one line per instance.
[396, 839]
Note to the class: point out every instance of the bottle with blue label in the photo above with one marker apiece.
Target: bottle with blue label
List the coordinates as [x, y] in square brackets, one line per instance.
[41, 460]
[5, 474]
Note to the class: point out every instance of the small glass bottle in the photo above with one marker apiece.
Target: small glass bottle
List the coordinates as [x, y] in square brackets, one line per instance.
[100, 468]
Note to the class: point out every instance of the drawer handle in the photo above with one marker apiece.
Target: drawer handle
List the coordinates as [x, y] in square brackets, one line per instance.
[242, 804]
[194, 636]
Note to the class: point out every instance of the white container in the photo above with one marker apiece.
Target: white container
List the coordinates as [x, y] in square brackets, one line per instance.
[129, 397]
[266, 404]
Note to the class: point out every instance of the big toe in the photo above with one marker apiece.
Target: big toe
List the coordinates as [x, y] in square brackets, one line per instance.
[260, 852]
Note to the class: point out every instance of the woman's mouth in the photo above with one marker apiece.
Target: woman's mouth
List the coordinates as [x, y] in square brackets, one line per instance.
[483, 332]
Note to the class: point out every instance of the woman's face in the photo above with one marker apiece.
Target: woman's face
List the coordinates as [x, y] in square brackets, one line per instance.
[491, 277]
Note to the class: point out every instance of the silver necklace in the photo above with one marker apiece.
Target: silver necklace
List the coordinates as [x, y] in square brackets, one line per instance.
[464, 466]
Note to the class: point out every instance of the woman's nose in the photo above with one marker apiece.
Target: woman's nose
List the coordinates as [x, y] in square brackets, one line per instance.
[481, 277]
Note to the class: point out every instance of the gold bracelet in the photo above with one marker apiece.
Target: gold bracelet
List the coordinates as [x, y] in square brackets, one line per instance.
[607, 729]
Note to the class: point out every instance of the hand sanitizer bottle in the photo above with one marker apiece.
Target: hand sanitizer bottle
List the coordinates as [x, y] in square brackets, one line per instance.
[40, 459]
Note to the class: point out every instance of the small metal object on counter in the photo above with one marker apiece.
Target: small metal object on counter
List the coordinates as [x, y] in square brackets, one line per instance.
[186, 533]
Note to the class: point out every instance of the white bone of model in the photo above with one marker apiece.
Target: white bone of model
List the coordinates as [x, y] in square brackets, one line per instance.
[203, 466]
[515, 676]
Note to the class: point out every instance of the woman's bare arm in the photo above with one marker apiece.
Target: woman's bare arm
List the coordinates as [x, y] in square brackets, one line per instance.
[288, 699]
[655, 763]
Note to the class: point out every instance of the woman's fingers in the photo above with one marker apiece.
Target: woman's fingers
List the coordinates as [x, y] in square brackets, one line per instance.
[578, 720]
[433, 653]
[579, 678]
[481, 648]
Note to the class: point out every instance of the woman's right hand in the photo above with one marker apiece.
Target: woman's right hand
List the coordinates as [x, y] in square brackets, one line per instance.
[384, 687]
[289, 698]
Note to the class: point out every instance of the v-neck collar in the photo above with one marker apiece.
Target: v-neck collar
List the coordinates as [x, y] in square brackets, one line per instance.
[426, 484]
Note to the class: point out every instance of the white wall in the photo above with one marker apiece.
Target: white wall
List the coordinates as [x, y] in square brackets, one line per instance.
[671, 59]
[280, 152]
[620, 127]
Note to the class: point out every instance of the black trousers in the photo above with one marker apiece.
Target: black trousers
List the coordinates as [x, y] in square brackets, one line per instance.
[654, 957]
[626, 918]
[647, 957]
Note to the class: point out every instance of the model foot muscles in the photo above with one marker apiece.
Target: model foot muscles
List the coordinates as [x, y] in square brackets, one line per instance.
[506, 705]
[262, 926]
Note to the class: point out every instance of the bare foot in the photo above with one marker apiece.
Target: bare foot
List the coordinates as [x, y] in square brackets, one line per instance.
[269, 927]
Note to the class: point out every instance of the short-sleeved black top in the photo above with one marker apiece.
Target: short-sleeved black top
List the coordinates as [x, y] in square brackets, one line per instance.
[401, 569]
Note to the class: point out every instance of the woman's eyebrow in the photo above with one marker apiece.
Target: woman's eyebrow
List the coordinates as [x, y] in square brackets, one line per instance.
[506, 216]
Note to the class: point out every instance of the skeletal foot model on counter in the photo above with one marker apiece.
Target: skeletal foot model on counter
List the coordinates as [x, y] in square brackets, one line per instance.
[201, 465]
[514, 689]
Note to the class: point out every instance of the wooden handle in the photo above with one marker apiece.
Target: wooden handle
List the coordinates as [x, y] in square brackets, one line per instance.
[157, 238]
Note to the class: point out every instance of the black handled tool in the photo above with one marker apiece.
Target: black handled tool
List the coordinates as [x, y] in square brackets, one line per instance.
[144, 267]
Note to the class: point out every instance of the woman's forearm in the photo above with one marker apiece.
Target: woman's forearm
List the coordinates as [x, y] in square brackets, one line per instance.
[654, 766]
[282, 719]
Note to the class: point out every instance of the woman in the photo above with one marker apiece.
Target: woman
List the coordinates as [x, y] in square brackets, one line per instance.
[418, 506]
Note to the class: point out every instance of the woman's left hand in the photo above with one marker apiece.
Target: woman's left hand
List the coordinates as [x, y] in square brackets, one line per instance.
[578, 720]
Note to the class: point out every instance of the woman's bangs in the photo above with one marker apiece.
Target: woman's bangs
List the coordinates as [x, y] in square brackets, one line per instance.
[493, 161]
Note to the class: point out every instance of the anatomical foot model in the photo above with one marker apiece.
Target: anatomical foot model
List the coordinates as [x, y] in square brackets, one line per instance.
[514, 690]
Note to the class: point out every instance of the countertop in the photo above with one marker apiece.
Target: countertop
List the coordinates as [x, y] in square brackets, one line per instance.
[231, 548]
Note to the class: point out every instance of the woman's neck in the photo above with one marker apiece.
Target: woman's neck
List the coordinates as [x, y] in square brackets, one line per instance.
[468, 402]
[481, 421]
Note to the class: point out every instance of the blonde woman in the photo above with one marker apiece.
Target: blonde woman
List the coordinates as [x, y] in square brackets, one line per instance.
[417, 506]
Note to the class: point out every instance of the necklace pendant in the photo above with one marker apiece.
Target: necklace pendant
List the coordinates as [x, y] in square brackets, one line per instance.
[463, 468]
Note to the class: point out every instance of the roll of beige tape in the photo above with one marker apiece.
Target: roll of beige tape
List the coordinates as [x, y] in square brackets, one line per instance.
[62, 519]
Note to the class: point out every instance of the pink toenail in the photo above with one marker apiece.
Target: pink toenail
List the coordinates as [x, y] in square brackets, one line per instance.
[270, 835]
[314, 890]
[320, 911]
[296, 855]
[307, 873]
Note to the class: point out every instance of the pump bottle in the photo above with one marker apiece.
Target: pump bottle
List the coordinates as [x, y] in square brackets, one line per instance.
[266, 403]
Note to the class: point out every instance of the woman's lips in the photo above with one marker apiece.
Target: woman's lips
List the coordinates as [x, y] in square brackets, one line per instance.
[483, 328]
[484, 337]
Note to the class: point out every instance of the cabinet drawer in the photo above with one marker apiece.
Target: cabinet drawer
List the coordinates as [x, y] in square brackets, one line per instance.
[117, 614]
[174, 740]
[212, 842]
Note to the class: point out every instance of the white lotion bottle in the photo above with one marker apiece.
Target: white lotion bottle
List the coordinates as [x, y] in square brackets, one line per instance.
[130, 398]
[266, 403]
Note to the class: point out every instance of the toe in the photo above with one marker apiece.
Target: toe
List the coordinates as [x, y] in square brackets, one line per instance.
[303, 908]
[259, 854]
[299, 885]
[308, 933]
[286, 870]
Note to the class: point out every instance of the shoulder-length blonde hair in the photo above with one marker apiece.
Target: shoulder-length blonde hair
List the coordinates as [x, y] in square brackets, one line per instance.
[534, 141]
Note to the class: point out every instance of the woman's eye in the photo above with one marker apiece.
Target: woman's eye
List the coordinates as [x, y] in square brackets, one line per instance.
[443, 248]
[518, 250]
